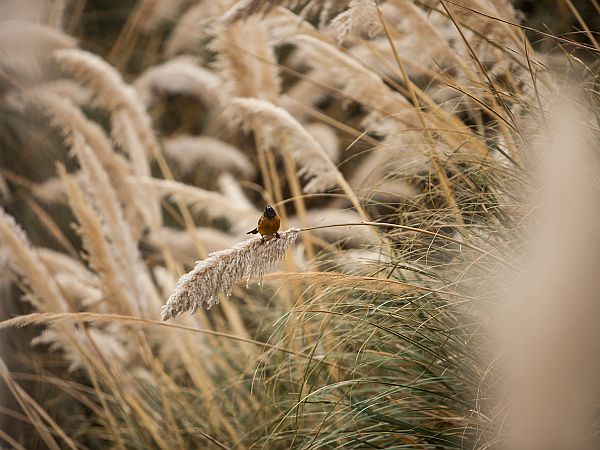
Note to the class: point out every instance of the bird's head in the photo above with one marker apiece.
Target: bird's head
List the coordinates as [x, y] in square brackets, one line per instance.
[269, 212]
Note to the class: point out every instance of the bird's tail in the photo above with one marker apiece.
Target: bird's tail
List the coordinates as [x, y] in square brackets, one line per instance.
[255, 231]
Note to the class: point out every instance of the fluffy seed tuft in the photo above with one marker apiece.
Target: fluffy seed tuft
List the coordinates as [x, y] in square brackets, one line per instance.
[221, 270]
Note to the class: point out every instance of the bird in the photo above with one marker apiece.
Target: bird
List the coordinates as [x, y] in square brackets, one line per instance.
[268, 224]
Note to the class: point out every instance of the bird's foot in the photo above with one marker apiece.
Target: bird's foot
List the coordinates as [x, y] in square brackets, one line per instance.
[277, 235]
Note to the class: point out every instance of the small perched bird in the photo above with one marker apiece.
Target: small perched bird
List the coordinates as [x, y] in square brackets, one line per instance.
[268, 224]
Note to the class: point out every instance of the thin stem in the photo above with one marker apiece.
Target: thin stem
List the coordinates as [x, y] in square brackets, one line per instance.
[407, 228]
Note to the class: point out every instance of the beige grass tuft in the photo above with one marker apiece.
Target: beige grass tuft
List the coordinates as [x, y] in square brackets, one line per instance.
[280, 130]
[24, 50]
[180, 76]
[110, 92]
[26, 261]
[189, 152]
[221, 270]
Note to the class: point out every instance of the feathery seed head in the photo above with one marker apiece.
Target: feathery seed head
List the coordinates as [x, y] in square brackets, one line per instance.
[221, 270]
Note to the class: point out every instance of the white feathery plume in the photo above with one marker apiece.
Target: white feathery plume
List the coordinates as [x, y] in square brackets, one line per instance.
[60, 263]
[25, 47]
[246, 8]
[47, 296]
[229, 186]
[164, 280]
[360, 18]
[327, 139]
[305, 94]
[26, 261]
[51, 190]
[71, 120]
[79, 294]
[222, 270]
[190, 151]
[283, 24]
[280, 130]
[124, 132]
[179, 75]
[193, 28]
[110, 92]
[100, 253]
[357, 81]
[246, 61]
[212, 203]
[181, 242]
[111, 342]
[104, 200]
[68, 90]
[116, 228]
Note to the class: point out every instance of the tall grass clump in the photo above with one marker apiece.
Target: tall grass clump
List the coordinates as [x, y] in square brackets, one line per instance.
[433, 282]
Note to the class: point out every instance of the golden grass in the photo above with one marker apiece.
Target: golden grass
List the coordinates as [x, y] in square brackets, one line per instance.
[408, 148]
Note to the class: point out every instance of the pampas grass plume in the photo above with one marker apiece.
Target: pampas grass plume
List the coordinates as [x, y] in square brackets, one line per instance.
[180, 76]
[280, 130]
[221, 270]
[190, 151]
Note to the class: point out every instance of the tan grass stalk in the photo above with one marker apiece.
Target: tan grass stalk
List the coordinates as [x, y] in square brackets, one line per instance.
[39, 418]
[583, 24]
[47, 221]
[182, 76]
[340, 280]
[220, 271]
[190, 151]
[292, 175]
[4, 189]
[316, 217]
[156, 12]
[10, 440]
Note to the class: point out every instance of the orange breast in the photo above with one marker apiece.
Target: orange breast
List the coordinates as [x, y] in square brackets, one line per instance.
[268, 226]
